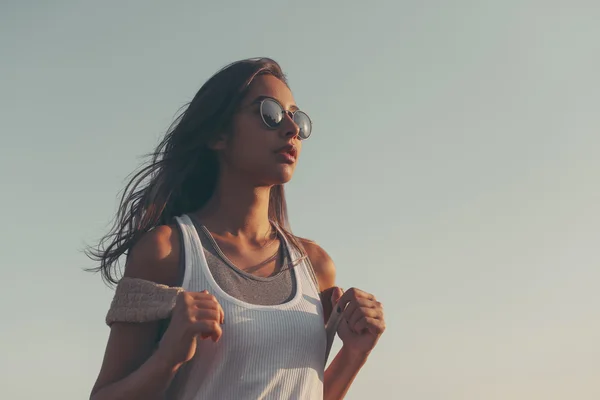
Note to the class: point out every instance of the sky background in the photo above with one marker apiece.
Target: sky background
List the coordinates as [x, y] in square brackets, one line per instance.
[453, 172]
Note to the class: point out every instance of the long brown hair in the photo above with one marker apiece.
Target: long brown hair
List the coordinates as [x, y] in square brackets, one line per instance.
[182, 172]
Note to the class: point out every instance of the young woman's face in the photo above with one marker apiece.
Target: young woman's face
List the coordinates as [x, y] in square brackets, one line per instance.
[266, 156]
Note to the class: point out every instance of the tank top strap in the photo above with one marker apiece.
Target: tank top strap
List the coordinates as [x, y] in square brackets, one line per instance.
[302, 263]
[193, 275]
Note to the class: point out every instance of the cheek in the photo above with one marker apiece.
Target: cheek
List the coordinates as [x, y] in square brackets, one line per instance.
[247, 147]
[251, 139]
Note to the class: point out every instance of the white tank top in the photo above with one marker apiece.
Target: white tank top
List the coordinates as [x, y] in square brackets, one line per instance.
[266, 352]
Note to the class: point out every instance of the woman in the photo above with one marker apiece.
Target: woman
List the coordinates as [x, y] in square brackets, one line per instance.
[206, 223]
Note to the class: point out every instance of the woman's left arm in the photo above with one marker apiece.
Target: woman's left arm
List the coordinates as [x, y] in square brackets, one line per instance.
[360, 328]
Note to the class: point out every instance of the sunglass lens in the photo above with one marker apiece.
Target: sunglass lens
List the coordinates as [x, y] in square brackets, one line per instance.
[271, 112]
[303, 122]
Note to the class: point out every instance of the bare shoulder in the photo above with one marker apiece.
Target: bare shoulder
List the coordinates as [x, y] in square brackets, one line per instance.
[155, 256]
[322, 264]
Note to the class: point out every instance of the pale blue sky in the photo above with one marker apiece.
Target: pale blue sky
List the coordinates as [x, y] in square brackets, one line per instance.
[453, 172]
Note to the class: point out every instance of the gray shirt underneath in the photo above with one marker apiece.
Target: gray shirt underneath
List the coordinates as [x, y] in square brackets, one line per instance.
[277, 289]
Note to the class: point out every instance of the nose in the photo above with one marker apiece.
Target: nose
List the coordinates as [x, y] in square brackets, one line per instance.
[289, 128]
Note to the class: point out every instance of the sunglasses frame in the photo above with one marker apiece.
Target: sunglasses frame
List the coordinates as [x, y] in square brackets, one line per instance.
[292, 114]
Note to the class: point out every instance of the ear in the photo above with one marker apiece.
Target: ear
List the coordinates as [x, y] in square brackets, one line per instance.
[219, 143]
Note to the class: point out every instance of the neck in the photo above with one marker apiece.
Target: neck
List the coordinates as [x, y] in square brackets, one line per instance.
[238, 209]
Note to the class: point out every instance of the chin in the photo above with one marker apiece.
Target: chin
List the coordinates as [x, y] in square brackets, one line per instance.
[281, 175]
[280, 180]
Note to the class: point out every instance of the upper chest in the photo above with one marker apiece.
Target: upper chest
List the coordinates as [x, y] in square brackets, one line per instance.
[262, 262]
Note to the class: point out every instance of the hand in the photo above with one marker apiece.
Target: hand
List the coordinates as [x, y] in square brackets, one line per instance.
[362, 319]
[195, 315]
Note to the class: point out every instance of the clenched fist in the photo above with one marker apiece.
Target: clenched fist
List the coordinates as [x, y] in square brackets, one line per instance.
[195, 315]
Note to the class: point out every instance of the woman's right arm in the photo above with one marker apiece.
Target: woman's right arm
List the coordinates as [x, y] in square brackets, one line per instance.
[148, 381]
[131, 369]
[133, 366]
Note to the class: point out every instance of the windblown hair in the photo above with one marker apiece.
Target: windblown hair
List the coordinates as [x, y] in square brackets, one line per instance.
[181, 174]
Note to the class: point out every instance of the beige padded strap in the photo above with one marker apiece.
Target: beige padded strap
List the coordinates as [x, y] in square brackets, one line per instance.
[139, 300]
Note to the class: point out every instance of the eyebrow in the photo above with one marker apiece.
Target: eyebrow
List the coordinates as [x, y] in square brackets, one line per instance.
[261, 98]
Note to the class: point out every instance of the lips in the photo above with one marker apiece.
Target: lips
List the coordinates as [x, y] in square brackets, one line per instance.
[288, 153]
[288, 149]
